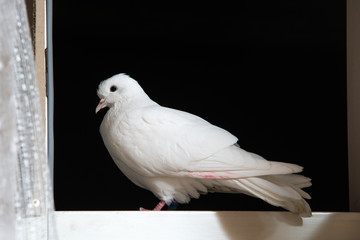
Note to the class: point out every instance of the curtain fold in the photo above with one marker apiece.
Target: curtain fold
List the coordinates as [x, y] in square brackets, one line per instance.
[26, 203]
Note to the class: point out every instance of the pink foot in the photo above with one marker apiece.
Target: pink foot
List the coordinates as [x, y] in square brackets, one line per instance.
[158, 207]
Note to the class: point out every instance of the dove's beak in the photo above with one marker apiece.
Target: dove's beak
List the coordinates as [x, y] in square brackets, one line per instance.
[101, 105]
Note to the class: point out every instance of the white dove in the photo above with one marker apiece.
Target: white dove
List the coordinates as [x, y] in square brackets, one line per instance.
[178, 156]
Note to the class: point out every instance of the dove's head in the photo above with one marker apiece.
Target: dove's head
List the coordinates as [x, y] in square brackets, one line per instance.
[117, 89]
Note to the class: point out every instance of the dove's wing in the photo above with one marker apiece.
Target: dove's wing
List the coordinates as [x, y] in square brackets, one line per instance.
[164, 141]
[234, 162]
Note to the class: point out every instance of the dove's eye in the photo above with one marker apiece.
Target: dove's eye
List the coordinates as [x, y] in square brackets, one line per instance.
[113, 88]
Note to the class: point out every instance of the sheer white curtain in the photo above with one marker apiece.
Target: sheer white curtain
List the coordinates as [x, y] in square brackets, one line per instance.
[26, 199]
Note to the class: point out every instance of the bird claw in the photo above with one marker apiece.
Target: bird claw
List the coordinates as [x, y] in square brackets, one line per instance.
[158, 207]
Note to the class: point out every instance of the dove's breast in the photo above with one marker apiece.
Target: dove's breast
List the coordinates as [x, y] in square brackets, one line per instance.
[120, 134]
[113, 138]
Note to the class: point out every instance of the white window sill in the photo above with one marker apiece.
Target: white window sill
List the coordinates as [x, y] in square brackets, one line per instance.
[111, 225]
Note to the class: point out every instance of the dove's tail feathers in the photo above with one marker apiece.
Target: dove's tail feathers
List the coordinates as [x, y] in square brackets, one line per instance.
[272, 189]
[276, 168]
[297, 180]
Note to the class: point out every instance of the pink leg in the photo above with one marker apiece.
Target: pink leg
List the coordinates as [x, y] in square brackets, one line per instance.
[158, 207]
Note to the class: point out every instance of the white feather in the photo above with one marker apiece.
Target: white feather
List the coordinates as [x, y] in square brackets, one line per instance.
[179, 156]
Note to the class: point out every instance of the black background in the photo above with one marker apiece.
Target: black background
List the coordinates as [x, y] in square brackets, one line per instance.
[273, 74]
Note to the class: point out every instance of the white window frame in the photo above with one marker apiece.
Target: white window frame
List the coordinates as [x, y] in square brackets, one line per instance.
[216, 224]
